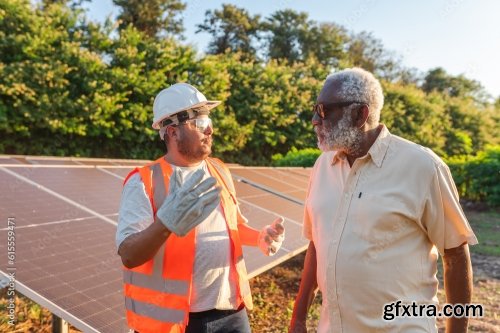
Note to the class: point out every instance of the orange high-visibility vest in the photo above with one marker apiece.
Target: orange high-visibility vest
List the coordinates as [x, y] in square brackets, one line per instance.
[157, 293]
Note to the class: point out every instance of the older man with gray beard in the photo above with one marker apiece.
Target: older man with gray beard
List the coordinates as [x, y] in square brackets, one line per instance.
[379, 211]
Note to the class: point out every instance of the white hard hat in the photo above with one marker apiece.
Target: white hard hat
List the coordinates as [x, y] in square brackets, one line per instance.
[176, 98]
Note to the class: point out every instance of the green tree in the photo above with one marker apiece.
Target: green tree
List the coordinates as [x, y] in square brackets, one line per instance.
[74, 4]
[139, 68]
[272, 105]
[368, 52]
[51, 88]
[287, 31]
[410, 114]
[211, 74]
[73, 87]
[455, 86]
[59, 94]
[468, 118]
[233, 29]
[458, 142]
[47, 3]
[152, 17]
[326, 42]
[477, 176]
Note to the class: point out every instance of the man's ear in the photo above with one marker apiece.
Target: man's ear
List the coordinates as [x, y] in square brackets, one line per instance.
[362, 116]
[171, 131]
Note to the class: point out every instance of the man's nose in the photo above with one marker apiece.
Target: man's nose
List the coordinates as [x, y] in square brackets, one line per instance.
[316, 119]
[209, 130]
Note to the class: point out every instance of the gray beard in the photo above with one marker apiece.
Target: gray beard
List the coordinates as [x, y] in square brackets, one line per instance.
[342, 136]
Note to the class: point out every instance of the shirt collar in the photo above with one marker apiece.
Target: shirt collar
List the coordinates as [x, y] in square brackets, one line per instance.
[377, 151]
[379, 148]
[338, 156]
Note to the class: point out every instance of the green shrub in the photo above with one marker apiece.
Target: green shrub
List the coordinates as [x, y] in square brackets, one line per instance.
[297, 158]
[72, 87]
[478, 177]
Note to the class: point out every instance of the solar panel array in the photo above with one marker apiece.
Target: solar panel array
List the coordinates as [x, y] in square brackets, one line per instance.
[66, 211]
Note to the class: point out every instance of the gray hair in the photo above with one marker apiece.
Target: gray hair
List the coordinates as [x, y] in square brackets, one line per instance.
[357, 84]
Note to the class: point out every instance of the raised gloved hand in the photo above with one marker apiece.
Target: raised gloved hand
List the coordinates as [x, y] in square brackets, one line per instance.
[188, 205]
[271, 237]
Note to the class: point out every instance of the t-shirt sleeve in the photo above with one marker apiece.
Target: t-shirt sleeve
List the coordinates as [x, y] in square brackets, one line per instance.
[445, 222]
[135, 213]
[241, 219]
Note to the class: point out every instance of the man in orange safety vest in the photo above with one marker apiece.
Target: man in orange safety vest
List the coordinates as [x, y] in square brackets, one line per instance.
[180, 231]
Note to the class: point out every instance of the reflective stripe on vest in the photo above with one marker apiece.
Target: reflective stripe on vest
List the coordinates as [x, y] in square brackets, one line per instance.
[144, 324]
[157, 293]
[155, 312]
[166, 286]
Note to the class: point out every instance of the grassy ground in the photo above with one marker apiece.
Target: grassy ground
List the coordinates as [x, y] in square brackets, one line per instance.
[486, 226]
[274, 291]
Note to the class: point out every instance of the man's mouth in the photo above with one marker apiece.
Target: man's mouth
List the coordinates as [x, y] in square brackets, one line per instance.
[318, 132]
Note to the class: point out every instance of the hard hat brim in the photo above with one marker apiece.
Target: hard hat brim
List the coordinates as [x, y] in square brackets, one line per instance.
[208, 104]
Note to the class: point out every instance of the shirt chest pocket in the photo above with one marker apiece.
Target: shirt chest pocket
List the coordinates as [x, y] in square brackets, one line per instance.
[380, 220]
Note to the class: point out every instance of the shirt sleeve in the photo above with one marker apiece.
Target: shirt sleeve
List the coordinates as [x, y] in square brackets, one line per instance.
[135, 213]
[445, 222]
[307, 223]
[240, 218]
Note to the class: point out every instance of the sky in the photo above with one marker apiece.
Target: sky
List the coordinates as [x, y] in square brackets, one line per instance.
[462, 36]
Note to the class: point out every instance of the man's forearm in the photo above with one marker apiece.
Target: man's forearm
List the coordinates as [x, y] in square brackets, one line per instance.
[457, 283]
[138, 248]
[307, 291]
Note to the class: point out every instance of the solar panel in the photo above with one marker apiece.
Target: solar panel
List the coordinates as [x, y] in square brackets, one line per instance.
[61, 265]
[66, 214]
[279, 181]
[8, 160]
[30, 205]
[262, 208]
[45, 161]
[121, 173]
[49, 160]
[250, 197]
[85, 186]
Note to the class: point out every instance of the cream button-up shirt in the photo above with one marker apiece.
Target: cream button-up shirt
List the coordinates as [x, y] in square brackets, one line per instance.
[377, 228]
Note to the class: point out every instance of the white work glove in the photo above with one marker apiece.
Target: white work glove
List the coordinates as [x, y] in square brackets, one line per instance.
[188, 205]
[271, 237]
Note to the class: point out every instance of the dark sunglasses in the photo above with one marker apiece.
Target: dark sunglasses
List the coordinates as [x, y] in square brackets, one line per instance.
[320, 108]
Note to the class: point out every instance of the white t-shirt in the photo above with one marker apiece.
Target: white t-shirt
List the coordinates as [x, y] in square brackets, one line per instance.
[214, 278]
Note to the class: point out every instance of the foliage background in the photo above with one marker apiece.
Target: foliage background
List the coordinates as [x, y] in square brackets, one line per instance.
[73, 87]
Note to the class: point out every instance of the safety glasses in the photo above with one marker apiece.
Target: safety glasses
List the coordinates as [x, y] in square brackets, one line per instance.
[201, 124]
